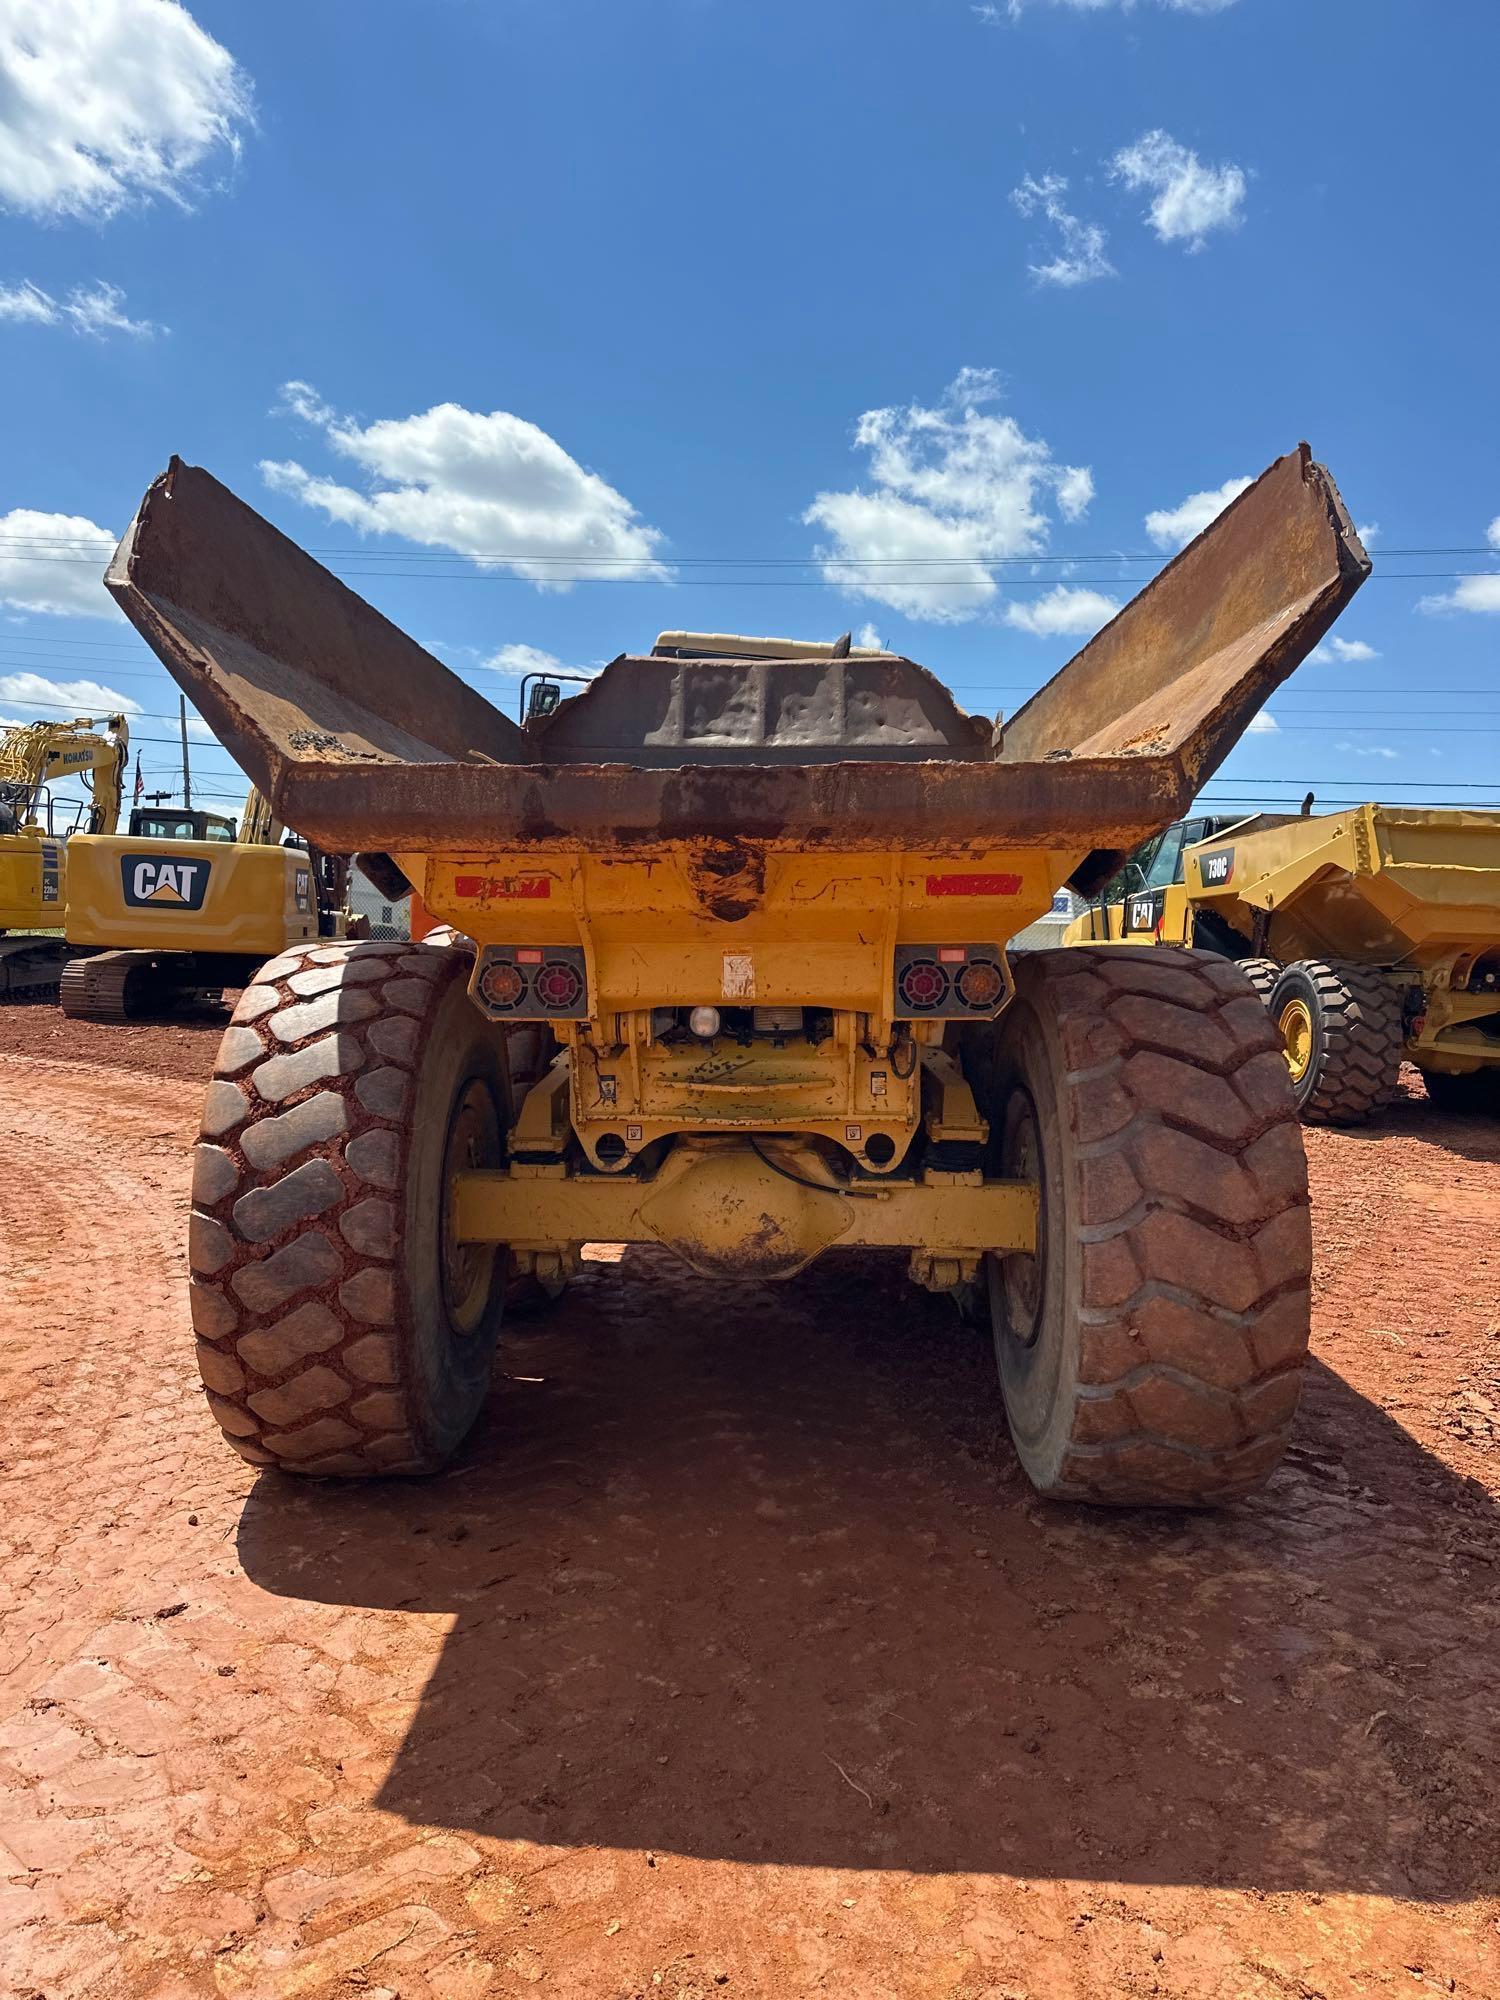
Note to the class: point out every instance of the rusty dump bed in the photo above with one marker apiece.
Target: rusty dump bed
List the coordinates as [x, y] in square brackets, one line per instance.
[362, 740]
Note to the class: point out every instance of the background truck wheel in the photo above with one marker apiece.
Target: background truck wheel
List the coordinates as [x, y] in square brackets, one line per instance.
[1262, 974]
[1477, 1092]
[1151, 1352]
[339, 1329]
[1341, 1031]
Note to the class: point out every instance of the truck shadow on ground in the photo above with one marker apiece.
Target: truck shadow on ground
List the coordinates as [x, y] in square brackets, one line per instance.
[1468, 1135]
[753, 1573]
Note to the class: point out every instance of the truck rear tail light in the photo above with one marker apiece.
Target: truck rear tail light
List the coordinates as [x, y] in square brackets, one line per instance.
[502, 987]
[922, 986]
[531, 983]
[950, 982]
[980, 986]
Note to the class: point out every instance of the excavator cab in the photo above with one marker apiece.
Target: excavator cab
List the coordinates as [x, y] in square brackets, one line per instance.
[180, 823]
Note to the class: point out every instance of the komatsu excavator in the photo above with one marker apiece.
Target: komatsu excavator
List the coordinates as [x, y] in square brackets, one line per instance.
[185, 904]
[34, 845]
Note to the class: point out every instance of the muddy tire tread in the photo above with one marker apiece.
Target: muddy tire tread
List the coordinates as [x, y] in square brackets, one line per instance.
[1262, 974]
[1196, 1228]
[311, 1380]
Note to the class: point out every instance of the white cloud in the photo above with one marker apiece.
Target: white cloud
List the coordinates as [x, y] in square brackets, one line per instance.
[108, 102]
[1365, 750]
[1061, 610]
[493, 487]
[96, 309]
[1368, 532]
[953, 488]
[28, 303]
[1263, 724]
[1075, 489]
[1471, 593]
[1342, 649]
[55, 563]
[1080, 251]
[1189, 199]
[869, 638]
[56, 697]
[199, 730]
[1175, 527]
[1492, 533]
[518, 660]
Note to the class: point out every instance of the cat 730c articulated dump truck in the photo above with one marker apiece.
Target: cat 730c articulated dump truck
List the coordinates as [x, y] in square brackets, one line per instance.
[744, 906]
[1373, 934]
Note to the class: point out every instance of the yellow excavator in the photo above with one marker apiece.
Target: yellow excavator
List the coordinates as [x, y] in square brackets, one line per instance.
[34, 845]
[186, 903]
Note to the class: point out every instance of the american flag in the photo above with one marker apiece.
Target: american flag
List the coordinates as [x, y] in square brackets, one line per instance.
[140, 782]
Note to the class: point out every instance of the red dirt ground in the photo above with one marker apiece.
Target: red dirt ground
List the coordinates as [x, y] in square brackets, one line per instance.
[734, 1656]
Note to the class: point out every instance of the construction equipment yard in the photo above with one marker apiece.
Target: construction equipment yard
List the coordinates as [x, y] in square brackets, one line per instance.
[734, 1654]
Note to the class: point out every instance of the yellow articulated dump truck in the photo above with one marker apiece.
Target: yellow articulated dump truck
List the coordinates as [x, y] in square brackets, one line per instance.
[35, 831]
[756, 897]
[1373, 934]
[183, 905]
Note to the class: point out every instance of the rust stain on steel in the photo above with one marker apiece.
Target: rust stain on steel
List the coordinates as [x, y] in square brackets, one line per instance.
[285, 663]
[727, 877]
[363, 741]
[1187, 663]
[445, 809]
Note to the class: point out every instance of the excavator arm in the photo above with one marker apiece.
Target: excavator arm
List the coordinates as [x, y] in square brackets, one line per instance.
[37, 752]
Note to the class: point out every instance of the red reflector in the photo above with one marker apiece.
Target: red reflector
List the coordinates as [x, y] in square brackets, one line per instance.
[973, 885]
[951, 954]
[524, 957]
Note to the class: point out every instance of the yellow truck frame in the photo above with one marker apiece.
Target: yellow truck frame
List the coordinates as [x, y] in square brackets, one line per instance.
[724, 970]
[1373, 934]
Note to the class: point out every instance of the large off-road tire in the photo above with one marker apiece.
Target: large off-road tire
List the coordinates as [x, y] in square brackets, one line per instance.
[1151, 1352]
[1262, 974]
[1474, 1094]
[339, 1329]
[1341, 1032]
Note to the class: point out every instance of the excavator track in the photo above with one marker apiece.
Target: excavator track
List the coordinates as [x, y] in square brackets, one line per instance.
[30, 968]
[124, 985]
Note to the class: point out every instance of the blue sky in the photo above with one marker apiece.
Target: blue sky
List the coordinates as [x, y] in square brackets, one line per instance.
[664, 288]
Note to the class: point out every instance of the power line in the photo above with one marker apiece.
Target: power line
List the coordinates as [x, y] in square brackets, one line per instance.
[89, 551]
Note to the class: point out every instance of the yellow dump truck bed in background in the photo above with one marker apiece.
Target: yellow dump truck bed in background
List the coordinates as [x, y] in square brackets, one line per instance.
[188, 895]
[1375, 884]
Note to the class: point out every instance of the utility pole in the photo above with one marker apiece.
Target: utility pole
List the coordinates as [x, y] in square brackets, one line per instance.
[187, 776]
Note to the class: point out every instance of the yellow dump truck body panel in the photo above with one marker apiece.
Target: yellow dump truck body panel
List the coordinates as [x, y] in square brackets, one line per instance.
[816, 931]
[188, 895]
